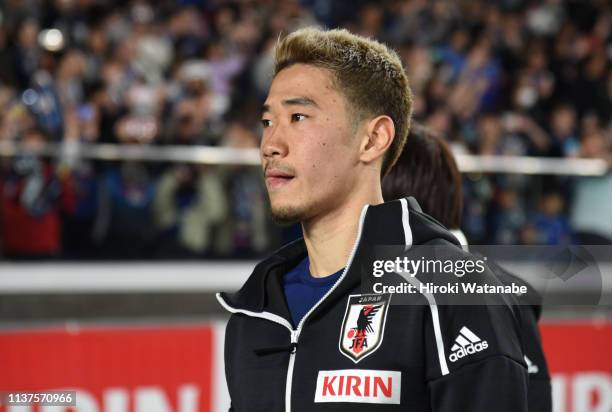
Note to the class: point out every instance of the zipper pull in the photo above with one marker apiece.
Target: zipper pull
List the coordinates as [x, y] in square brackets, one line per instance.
[276, 349]
[291, 348]
[294, 337]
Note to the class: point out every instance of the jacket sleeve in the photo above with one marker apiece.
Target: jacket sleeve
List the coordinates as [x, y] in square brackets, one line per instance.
[528, 308]
[540, 390]
[497, 383]
[475, 359]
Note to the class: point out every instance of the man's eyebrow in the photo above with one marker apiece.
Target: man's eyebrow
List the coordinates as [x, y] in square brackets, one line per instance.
[294, 101]
[300, 101]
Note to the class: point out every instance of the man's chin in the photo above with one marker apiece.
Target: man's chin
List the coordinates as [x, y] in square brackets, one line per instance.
[287, 215]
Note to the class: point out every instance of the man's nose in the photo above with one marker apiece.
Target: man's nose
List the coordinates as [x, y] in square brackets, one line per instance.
[273, 143]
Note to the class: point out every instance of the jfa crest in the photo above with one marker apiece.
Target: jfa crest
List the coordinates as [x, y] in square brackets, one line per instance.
[363, 325]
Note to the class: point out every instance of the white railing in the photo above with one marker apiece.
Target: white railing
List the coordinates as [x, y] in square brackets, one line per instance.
[223, 156]
[208, 276]
[531, 165]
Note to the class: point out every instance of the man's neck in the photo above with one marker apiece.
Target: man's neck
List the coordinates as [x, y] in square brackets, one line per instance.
[330, 238]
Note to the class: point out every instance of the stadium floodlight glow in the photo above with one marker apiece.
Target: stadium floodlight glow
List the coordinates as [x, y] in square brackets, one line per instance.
[51, 40]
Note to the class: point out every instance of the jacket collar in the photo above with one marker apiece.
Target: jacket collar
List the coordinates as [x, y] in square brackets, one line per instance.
[398, 222]
[458, 233]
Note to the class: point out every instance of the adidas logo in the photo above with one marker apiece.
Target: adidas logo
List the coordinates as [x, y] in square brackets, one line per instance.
[466, 344]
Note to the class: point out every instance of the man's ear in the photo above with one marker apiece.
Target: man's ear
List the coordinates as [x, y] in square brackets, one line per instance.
[379, 134]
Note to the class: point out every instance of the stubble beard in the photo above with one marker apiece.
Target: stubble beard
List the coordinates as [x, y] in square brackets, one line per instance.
[286, 215]
[290, 212]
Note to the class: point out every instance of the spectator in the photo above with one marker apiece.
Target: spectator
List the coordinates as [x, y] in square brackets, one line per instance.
[499, 78]
[123, 223]
[26, 57]
[551, 227]
[189, 205]
[563, 123]
[247, 230]
[590, 217]
[30, 204]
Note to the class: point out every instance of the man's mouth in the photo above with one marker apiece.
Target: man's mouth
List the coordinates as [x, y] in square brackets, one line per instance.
[276, 179]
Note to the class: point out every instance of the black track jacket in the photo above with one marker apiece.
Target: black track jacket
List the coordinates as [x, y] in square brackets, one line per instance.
[356, 351]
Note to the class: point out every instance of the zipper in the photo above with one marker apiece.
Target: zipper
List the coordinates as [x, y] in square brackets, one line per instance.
[281, 321]
[295, 333]
[344, 272]
[289, 380]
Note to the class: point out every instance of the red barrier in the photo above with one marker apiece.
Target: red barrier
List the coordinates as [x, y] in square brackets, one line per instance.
[170, 368]
[119, 369]
[580, 359]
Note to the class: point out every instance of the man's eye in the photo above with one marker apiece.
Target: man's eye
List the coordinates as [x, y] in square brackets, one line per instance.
[266, 123]
[298, 117]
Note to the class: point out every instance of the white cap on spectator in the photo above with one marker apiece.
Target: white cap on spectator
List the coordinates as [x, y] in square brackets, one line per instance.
[194, 70]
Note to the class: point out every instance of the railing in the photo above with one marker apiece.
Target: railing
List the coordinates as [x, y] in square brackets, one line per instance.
[223, 155]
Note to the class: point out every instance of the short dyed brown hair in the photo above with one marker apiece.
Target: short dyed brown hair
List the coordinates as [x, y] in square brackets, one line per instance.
[368, 73]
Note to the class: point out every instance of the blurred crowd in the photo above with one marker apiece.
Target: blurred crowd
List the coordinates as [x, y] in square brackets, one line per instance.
[511, 77]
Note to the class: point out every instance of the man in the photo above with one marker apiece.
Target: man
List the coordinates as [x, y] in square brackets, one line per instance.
[303, 336]
[427, 170]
